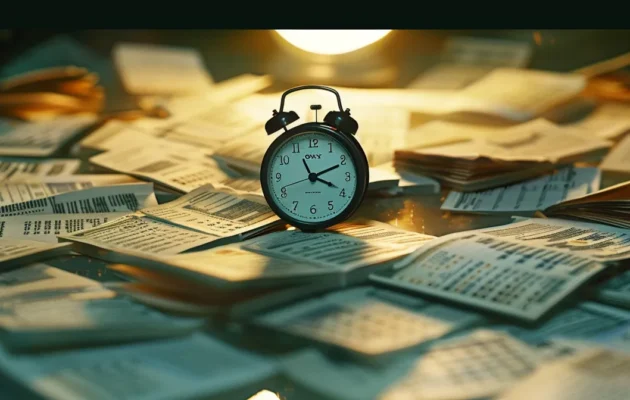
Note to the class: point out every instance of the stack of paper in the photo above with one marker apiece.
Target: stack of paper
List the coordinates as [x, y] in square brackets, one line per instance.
[505, 156]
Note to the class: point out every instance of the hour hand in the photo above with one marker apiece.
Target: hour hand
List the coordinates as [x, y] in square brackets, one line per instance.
[326, 182]
[306, 165]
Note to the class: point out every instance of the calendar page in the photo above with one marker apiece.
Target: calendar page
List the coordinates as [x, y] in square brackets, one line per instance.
[368, 321]
[521, 270]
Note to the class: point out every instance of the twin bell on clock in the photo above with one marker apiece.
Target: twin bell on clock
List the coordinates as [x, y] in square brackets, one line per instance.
[314, 175]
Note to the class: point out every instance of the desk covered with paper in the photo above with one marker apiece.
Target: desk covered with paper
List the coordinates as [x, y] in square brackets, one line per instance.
[140, 260]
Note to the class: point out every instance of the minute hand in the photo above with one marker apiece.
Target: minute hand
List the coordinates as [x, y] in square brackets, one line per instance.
[327, 170]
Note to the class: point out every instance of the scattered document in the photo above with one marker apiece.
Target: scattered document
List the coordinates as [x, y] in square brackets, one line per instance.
[409, 183]
[21, 190]
[522, 269]
[182, 173]
[103, 199]
[16, 252]
[151, 69]
[480, 365]
[616, 165]
[608, 121]
[40, 138]
[136, 233]
[586, 321]
[164, 369]
[485, 51]
[527, 197]
[447, 76]
[531, 93]
[367, 321]
[46, 227]
[590, 374]
[37, 169]
[378, 232]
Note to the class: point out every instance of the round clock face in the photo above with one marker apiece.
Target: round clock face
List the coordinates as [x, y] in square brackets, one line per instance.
[312, 177]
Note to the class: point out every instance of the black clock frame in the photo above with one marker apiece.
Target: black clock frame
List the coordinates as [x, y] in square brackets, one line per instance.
[355, 151]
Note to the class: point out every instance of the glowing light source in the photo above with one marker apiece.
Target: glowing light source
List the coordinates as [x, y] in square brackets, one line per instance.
[330, 42]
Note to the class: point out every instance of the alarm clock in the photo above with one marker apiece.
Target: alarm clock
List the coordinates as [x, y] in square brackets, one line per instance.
[314, 175]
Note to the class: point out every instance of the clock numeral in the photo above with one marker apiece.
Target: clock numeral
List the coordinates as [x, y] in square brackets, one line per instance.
[295, 204]
[343, 193]
[283, 192]
[343, 159]
[330, 205]
[312, 143]
[330, 147]
[284, 160]
[313, 209]
[279, 176]
[296, 147]
[347, 176]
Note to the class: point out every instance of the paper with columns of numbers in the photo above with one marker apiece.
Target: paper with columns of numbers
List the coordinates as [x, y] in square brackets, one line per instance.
[180, 172]
[187, 367]
[477, 365]
[46, 227]
[586, 321]
[379, 232]
[19, 190]
[103, 199]
[590, 374]
[138, 234]
[152, 69]
[338, 251]
[527, 197]
[368, 321]
[10, 169]
[217, 210]
[40, 138]
[522, 269]
[15, 252]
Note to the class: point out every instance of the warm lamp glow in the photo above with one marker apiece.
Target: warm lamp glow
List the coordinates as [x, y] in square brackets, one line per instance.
[332, 42]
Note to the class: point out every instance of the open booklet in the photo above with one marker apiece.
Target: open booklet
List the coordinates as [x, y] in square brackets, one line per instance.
[609, 206]
[44, 307]
[502, 157]
[17, 252]
[527, 197]
[195, 366]
[365, 321]
[210, 214]
[521, 270]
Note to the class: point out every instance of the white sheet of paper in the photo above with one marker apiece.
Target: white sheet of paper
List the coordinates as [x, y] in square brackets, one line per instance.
[181, 172]
[103, 199]
[608, 121]
[20, 190]
[485, 51]
[193, 366]
[501, 269]
[368, 321]
[24, 251]
[40, 138]
[591, 374]
[409, 182]
[137, 234]
[152, 69]
[378, 232]
[529, 196]
[447, 76]
[20, 170]
[46, 227]
[617, 161]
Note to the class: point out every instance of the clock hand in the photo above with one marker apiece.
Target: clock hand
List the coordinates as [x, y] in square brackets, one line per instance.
[306, 165]
[295, 183]
[328, 183]
[327, 170]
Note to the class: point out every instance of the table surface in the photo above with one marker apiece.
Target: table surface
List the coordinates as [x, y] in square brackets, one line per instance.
[229, 54]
